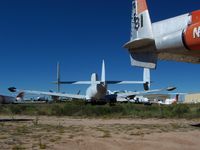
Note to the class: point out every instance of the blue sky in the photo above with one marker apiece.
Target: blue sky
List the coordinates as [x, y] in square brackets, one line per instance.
[35, 34]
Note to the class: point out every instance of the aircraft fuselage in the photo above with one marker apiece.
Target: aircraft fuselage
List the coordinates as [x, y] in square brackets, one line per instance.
[176, 38]
[96, 92]
[7, 99]
[182, 32]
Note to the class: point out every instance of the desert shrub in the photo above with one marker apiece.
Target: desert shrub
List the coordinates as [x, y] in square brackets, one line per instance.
[180, 110]
[78, 108]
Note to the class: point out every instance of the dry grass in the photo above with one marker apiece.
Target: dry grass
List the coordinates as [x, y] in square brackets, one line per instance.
[27, 135]
[39, 134]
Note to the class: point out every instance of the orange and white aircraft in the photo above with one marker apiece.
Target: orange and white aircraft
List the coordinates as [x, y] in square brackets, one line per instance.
[176, 39]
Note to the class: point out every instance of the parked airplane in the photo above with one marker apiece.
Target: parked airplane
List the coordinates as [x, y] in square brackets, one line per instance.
[158, 99]
[97, 91]
[132, 98]
[140, 100]
[137, 99]
[94, 79]
[169, 101]
[10, 99]
[176, 39]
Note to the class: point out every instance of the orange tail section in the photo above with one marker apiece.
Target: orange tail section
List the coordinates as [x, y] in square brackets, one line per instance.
[141, 6]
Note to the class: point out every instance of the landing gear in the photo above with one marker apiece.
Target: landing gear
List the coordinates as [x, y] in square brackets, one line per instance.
[101, 102]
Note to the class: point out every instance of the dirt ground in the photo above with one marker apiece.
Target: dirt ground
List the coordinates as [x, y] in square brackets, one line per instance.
[64, 133]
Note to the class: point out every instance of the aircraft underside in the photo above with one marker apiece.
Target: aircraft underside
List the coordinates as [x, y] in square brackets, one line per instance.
[149, 59]
[188, 58]
[176, 38]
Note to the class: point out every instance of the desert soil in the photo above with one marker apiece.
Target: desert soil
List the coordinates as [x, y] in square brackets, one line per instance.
[64, 133]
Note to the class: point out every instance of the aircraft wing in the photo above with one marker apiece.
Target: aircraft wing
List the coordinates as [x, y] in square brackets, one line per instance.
[129, 94]
[76, 96]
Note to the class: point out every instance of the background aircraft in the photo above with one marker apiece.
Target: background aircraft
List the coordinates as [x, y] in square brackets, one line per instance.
[95, 81]
[11, 100]
[169, 101]
[176, 39]
[97, 91]
[161, 99]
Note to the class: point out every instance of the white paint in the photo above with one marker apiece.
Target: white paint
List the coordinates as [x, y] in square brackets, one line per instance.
[196, 32]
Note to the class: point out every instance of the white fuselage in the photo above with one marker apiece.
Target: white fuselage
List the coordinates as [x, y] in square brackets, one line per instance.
[168, 101]
[168, 34]
[96, 91]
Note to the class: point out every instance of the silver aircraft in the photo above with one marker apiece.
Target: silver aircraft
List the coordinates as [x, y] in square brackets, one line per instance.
[176, 39]
[11, 100]
[97, 92]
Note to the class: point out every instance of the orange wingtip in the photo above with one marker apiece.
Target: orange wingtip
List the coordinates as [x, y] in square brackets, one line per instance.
[142, 6]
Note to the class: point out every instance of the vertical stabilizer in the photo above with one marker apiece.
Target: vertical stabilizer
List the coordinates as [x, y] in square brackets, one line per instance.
[103, 73]
[142, 44]
[141, 23]
[94, 79]
[146, 79]
[58, 77]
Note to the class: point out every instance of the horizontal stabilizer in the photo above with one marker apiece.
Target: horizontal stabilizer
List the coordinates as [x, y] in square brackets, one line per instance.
[138, 43]
[144, 60]
[98, 82]
[77, 82]
[125, 82]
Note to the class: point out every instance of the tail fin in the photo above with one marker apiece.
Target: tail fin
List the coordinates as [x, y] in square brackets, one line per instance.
[142, 44]
[103, 73]
[141, 22]
[146, 79]
[94, 78]
[58, 76]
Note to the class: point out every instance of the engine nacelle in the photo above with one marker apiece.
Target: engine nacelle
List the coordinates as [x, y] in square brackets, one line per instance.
[171, 42]
[192, 37]
[192, 32]
[182, 40]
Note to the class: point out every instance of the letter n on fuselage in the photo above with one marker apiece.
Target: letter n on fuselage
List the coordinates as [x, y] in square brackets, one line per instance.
[196, 32]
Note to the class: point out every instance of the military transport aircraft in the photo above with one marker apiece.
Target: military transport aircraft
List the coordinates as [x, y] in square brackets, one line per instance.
[97, 91]
[176, 39]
